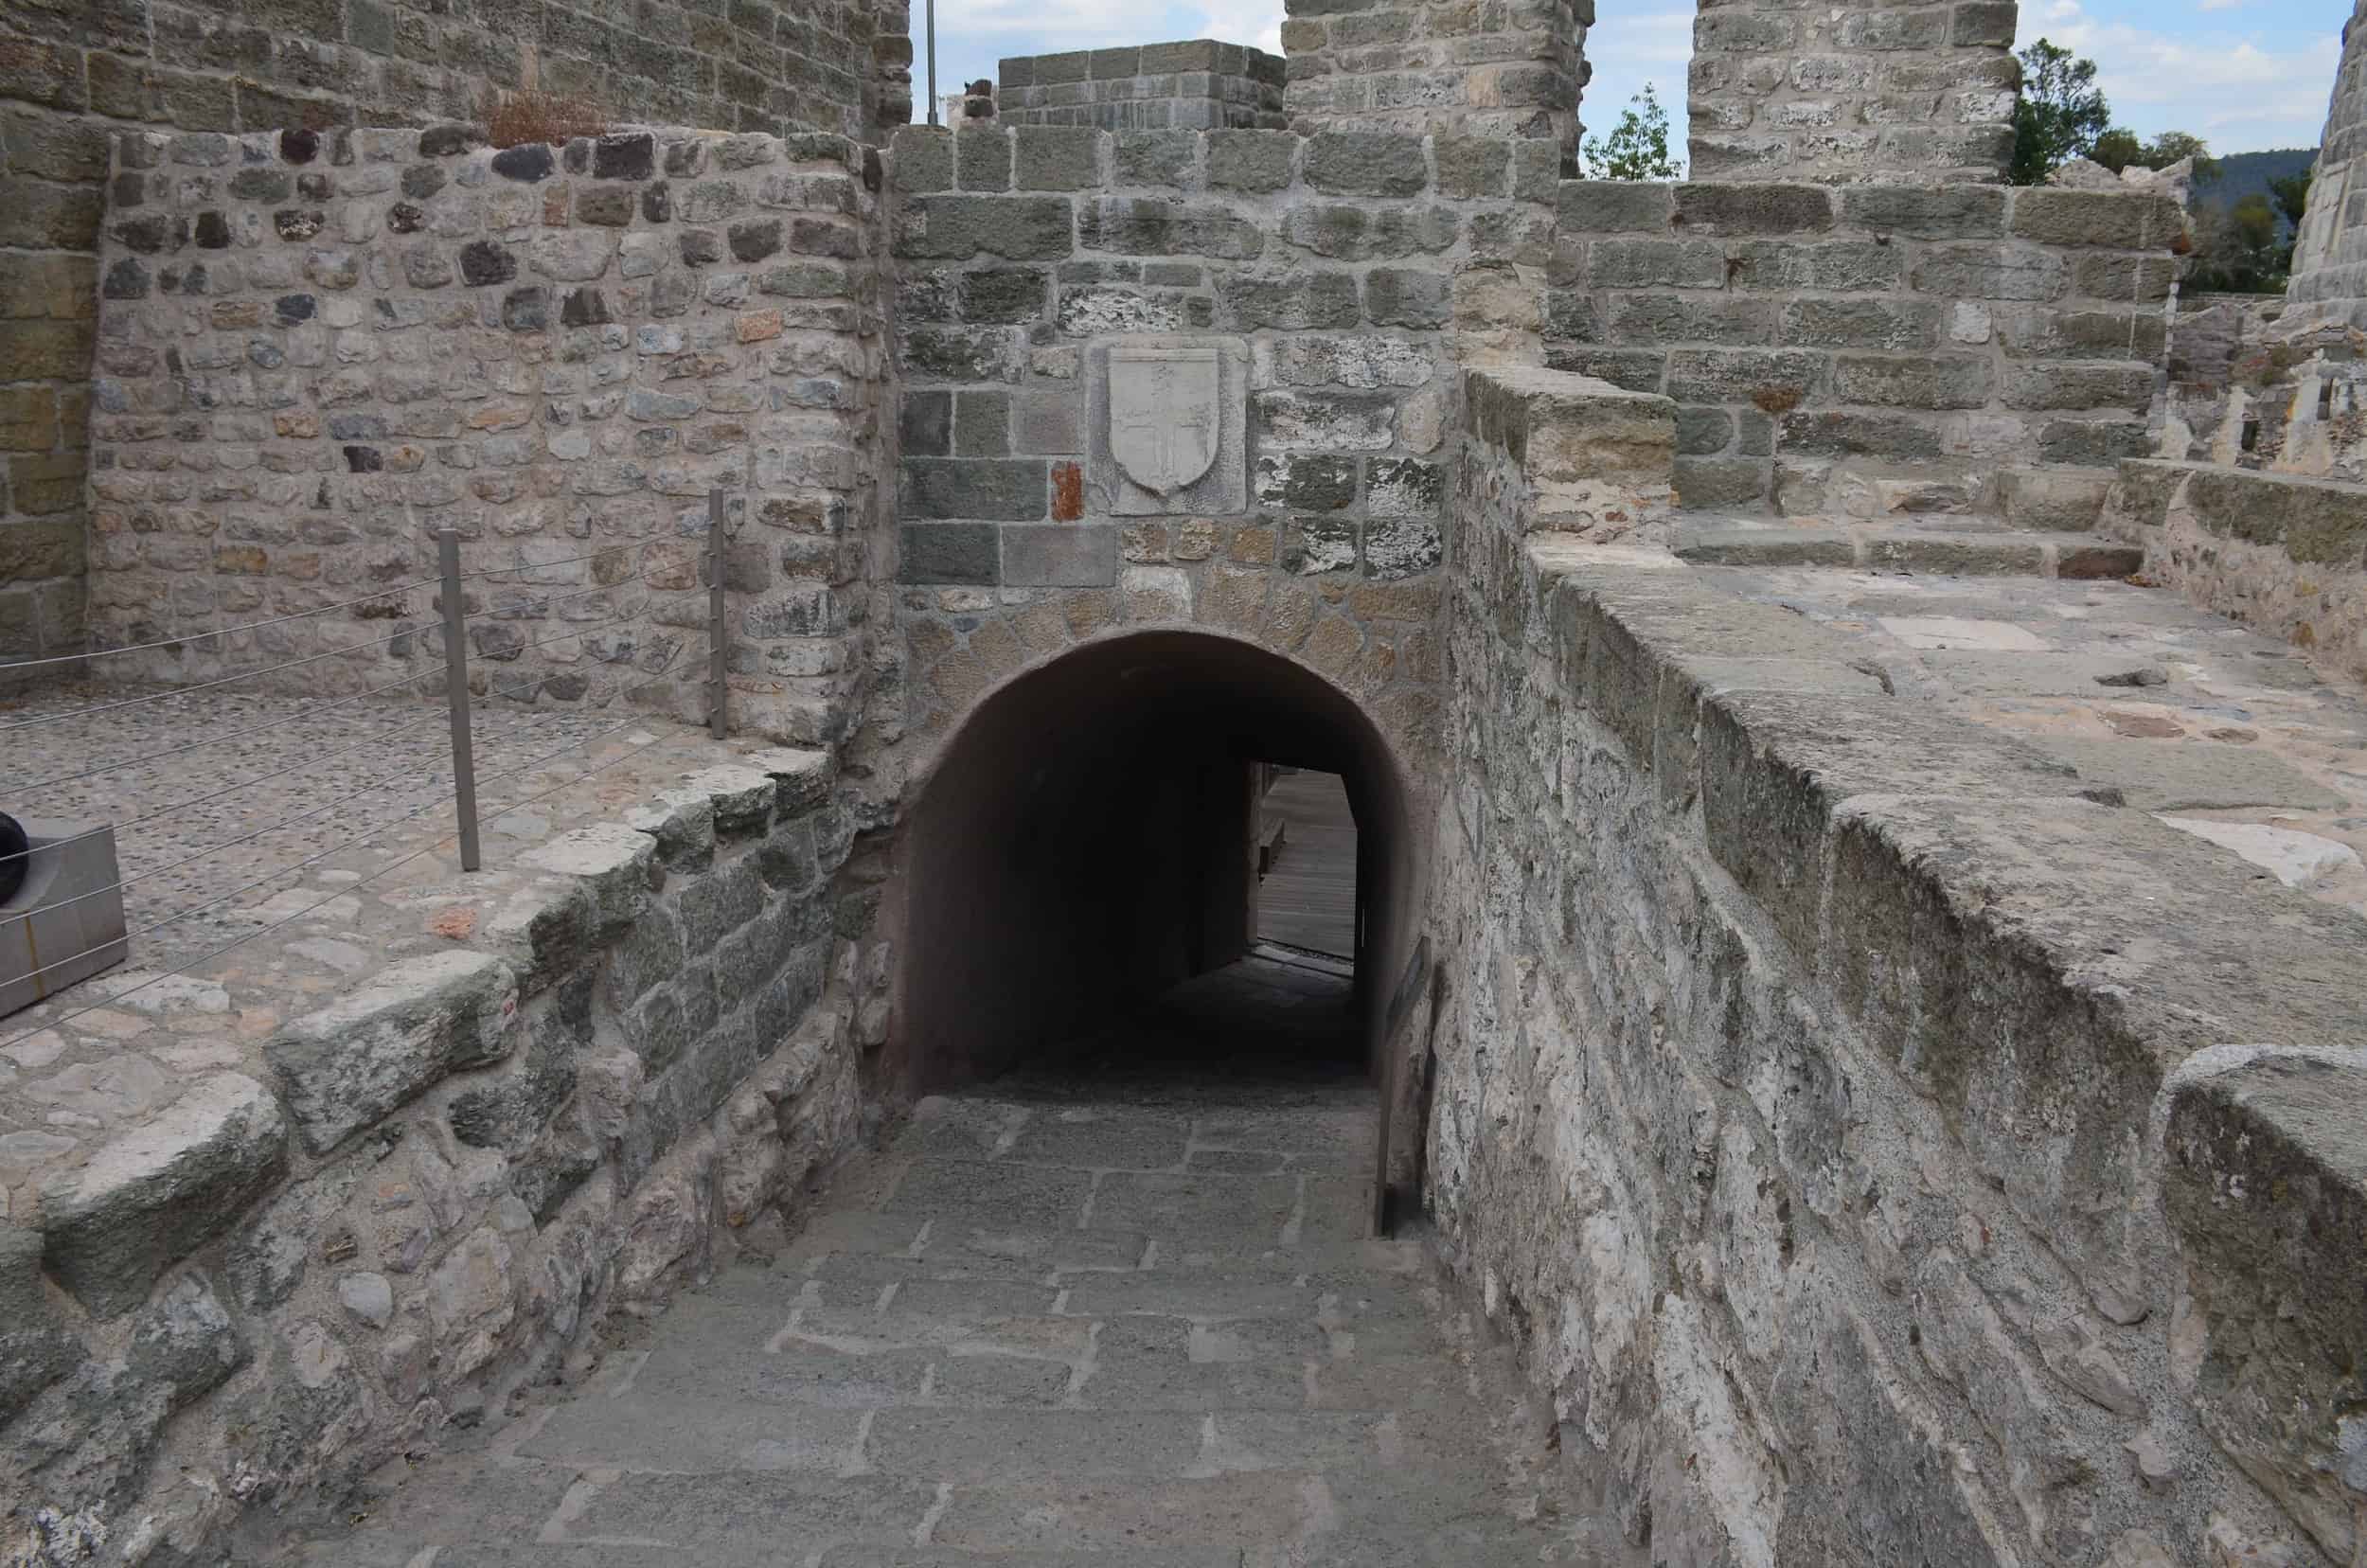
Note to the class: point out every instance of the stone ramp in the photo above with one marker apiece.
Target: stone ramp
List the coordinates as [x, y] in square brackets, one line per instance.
[1057, 1326]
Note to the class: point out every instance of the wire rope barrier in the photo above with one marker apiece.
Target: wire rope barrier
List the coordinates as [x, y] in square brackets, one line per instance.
[452, 787]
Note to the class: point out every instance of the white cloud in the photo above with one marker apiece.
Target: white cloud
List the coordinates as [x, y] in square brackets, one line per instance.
[1252, 21]
[2223, 86]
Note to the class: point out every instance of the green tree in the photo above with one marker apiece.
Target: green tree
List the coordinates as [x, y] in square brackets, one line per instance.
[2120, 147]
[1637, 148]
[2291, 194]
[2061, 115]
[2237, 250]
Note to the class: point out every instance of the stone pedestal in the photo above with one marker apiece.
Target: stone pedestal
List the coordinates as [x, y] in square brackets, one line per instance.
[65, 923]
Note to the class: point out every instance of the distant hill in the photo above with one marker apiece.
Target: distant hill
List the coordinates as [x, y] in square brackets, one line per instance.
[2243, 174]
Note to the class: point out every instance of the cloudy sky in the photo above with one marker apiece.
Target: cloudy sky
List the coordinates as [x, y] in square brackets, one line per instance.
[2241, 74]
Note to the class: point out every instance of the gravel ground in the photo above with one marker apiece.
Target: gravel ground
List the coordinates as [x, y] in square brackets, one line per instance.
[221, 800]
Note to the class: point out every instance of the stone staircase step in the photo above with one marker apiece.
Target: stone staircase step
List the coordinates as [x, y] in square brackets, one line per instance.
[1963, 547]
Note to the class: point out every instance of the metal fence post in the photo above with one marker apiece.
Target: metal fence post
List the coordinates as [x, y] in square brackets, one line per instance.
[718, 694]
[456, 695]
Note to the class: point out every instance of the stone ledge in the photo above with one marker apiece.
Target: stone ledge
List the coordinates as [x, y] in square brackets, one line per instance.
[2035, 962]
[2319, 522]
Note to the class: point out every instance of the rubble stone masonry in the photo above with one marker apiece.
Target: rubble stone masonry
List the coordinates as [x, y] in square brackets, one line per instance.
[315, 351]
[72, 74]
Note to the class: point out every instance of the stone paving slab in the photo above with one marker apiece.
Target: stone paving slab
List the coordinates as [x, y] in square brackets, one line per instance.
[2162, 707]
[957, 1364]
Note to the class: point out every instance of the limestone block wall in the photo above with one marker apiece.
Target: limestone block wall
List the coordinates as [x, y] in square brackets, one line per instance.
[228, 1291]
[72, 75]
[1871, 347]
[1515, 69]
[1801, 1087]
[1341, 274]
[1198, 85]
[315, 352]
[2329, 281]
[1880, 90]
[2285, 554]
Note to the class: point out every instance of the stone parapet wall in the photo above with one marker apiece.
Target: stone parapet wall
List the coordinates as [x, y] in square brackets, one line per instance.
[2330, 281]
[1871, 90]
[2284, 554]
[314, 353]
[1340, 279]
[408, 1157]
[1801, 1092]
[1198, 85]
[1871, 347]
[1515, 69]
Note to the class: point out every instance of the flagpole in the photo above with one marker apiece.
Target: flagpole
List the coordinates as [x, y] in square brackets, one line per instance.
[932, 61]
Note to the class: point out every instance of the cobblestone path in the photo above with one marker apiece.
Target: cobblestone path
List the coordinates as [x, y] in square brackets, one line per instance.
[1125, 1319]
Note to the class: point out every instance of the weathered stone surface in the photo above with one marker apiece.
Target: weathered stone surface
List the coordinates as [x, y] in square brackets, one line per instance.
[152, 1195]
[348, 1065]
[2267, 1190]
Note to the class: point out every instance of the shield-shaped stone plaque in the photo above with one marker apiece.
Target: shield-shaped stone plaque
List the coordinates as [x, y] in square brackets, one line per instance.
[1165, 413]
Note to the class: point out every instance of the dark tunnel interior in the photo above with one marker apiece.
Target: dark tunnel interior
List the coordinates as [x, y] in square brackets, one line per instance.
[1086, 842]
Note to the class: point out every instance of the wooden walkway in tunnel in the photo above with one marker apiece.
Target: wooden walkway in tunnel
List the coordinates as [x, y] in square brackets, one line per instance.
[1309, 899]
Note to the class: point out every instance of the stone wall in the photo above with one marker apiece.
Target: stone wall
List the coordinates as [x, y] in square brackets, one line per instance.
[315, 352]
[2329, 281]
[1801, 1090]
[1871, 348]
[1340, 276]
[1869, 90]
[1201, 85]
[72, 75]
[327, 1236]
[2284, 554]
[1515, 68]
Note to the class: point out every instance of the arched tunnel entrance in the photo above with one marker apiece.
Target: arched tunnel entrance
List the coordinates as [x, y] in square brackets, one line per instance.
[1086, 842]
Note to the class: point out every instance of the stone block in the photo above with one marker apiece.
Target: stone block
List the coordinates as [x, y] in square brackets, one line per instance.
[2079, 384]
[949, 552]
[1166, 225]
[380, 1046]
[1060, 556]
[1708, 207]
[1366, 163]
[1258, 162]
[989, 489]
[1828, 434]
[152, 1195]
[1049, 157]
[1018, 228]
[1923, 380]
[616, 865]
[1926, 212]
[1417, 299]
[1298, 300]
[922, 156]
[1775, 379]
[2131, 220]
[1155, 158]
[1991, 272]
[982, 158]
